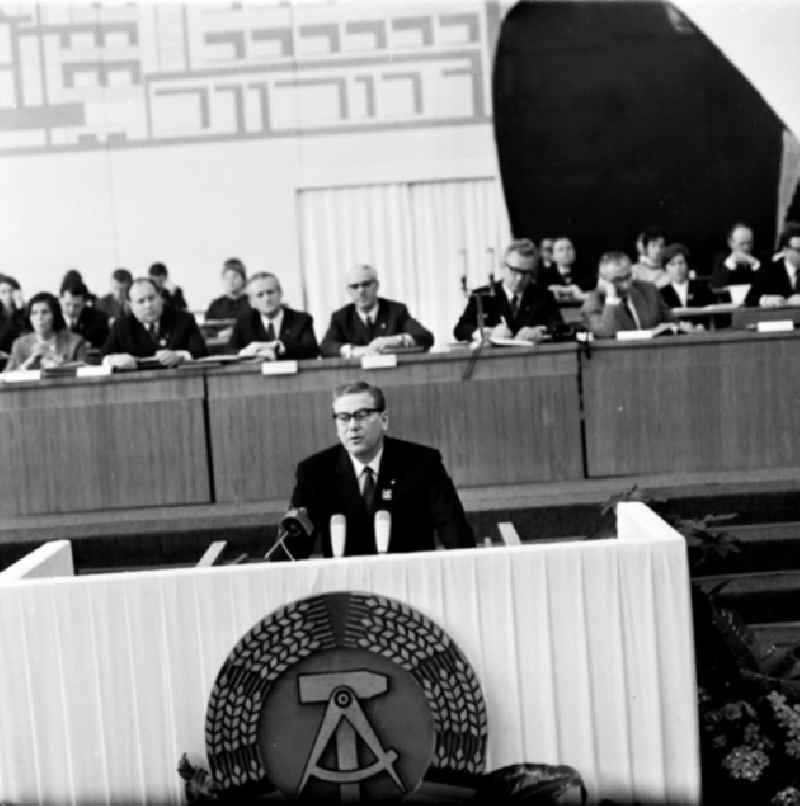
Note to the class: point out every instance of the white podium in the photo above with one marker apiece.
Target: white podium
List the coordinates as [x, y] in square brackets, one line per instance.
[584, 652]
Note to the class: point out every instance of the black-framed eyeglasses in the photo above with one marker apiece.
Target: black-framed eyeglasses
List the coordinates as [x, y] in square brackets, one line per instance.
[359, 415]
[356, 286]
[518, 269]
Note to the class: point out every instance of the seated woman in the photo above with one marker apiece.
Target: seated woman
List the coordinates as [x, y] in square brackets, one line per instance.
[681, 291]
[51, 343]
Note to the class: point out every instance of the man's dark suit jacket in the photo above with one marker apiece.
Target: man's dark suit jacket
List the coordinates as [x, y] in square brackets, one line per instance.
[584, 278]
[225, 307]
[177, 330]
[537, 307]
[412, 485]
[10, 328]
[699, 295]
[297, 333]
[605, 321]
[721, 275]
[393, 319]
[771, 278]
[93, 326]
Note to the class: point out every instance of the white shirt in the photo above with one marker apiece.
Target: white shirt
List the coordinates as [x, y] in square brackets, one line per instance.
[359, 466]
[682, 290]
[276, 322]
[370, 316]
[510, 295]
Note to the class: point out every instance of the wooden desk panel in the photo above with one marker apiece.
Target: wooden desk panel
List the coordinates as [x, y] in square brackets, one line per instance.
[78, 445]
[515, 421]
[693, 403]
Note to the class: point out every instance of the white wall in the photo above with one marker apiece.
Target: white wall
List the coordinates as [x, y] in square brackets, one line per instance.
[192, 192]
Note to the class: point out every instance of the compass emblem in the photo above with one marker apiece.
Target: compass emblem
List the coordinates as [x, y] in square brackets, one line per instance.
[345, 696]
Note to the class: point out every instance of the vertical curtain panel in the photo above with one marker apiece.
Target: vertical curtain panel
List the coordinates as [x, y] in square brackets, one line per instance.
[420, 236]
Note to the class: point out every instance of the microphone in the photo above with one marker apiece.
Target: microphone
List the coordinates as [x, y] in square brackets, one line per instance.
[490, 259]
[294, 526]
[338, 529]
[383, 530]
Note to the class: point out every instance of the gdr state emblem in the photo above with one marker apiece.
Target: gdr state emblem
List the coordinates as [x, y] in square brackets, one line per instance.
[343, 696]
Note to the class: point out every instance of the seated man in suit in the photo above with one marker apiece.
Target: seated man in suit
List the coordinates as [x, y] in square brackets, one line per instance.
[91, 323]
[233, 303]
[564, 277]
[777, 283]
[116, 303]
[371, 324]
[620, 302]
[171, 293]
[515, 307]
[739, 265]
[369, 471]
[270, 330]
[153, 329]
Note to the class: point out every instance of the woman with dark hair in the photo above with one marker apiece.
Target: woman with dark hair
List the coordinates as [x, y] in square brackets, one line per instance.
[51, 343]
[12, 316]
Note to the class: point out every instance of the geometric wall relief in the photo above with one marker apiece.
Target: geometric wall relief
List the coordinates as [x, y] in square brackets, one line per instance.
[88, 76]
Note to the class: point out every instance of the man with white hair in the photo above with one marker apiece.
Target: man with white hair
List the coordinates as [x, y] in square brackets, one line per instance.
[371, 324]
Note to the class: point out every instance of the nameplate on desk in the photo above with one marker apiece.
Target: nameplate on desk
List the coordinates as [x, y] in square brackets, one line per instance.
[378, 361]
[634, 335]
[777, 326]
[94, 372]
[279, 368]
[17, 375]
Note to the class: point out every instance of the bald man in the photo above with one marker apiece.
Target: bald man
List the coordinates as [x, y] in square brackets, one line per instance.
[622, 303]
[371, 324]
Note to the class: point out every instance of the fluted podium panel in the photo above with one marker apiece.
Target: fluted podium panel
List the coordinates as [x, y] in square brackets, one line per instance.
[583, 653]
[712, 402]
[81, 444]
[515, 421]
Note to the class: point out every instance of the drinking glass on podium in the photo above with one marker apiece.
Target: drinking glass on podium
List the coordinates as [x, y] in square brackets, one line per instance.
[338, 535]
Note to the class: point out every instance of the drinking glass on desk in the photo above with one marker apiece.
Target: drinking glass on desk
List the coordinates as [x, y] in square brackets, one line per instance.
[738, 292]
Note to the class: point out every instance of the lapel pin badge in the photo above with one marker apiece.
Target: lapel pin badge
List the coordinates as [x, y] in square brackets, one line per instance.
[386, 495]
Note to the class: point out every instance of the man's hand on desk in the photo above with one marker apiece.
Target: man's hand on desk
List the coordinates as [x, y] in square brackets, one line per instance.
[268, 350]
[381, 344]
[689, 327]
[120, 361]
[500, 331]
[531, 333]
[170, 358]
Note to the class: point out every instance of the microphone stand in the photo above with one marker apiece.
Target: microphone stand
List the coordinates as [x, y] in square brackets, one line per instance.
[478, 295]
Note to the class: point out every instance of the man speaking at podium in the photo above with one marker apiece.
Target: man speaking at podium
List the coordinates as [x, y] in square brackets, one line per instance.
[370, 472]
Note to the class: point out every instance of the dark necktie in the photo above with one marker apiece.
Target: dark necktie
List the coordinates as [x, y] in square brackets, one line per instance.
[270, 332]
[152, 329]
[368, 493]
